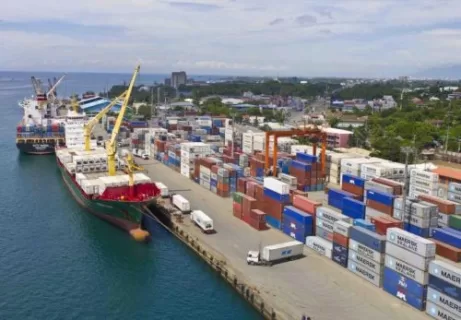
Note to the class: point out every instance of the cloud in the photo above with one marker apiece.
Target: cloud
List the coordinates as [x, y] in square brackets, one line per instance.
[383, 37]
[276, 21]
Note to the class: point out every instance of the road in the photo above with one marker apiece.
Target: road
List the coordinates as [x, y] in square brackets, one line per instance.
[314, 286]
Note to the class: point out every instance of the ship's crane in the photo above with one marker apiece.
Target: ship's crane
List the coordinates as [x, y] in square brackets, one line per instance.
[111, 145]
[316, 133]
[74, 104]
[37, 86]
[130, 168]
[90, 125]
[52, 91]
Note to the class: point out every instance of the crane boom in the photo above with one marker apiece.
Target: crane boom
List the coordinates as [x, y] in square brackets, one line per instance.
[110, 147]
[53, 88]
[90, 124]
[37, 87]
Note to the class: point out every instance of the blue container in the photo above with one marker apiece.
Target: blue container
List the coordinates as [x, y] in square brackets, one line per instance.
[340, 250]
[365, 224]
[336, 197]
[381, 197]
[368, 238]
[298, 235]
[416, 302]
[301, 166]
[422, 232]
[304, 157]
[353, 208]
[296, 226]
[283, 198]
[213, 182]
[351, 179]
[301, 216]
[444, 287]
[410, 286]
[274, 223]
[447, 236]
[339, 259]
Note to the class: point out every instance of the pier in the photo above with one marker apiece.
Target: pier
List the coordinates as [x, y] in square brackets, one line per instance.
[313, 286]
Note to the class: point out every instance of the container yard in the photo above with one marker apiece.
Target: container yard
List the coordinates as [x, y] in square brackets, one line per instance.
[344, 207]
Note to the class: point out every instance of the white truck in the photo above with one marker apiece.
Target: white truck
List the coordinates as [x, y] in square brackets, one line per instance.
[163, 189]
[204, 222]
[140, 154]
[181, 203]
[276, 253]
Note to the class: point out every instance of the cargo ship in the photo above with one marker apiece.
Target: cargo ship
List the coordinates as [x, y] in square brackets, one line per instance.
[102, 181]
[40, 129]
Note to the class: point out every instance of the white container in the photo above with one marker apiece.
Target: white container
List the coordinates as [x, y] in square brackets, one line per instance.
[425, 184]
[365, 273]
[406, 269]
[324, 224]
[454, 187]
[424, 175]
[276, 186]
[439, 313]
[203, 221]
[282, 250]
[443, 218]
[322, 246]
[445, 271]
[366, 251]
[331, 216]
[375, 267]
[180, 202]
[342, 228]
[414, 259]
[411, 242]
[163, 189]
[445, 301]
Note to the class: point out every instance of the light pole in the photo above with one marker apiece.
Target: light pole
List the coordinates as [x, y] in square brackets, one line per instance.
[407, 151]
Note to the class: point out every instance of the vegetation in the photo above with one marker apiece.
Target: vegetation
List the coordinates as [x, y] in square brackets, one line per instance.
[140, 94]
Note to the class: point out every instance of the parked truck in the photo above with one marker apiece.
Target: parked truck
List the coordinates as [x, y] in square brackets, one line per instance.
[181, 203]
[276, 253]
[204, 222]
[140, 154]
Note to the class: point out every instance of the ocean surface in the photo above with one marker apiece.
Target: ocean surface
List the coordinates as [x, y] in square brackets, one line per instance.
[59, 262]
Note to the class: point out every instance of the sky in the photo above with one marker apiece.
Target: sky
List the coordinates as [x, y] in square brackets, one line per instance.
[360, 38]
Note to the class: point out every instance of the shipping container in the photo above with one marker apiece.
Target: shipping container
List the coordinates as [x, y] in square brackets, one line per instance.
[441, 313]
[331, 215]
[340, 239]
[365, 224]
[336, 197]
[322, 246]
[414, 259]
[445, 287]
[339, 259]
[406, 269]
[368, 238]
[381, 197]
[411, 242]
[323, 233]
[298, 215]
[324, 224]
[305, 204]
[442, 300]
[370, 264]
[276, 185]
[405, 289]
[445, 271]
[353, 208]
[181, 203]
[342, 228]
[365, 273]
[351, 179]
[366, 251]
[447, 236]
[447, 251]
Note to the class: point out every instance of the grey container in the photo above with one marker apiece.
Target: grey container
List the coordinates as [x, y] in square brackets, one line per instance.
[446, 302]
[366, 251]
[413, 259]
[439, 313]
[417, 221]
[406, 269]
[325, 224]
[372, 213]
[331, 215]
[420, 209]
[374, 266]
[324, 234]
[443, 218]
[454, 187]
[342, 228]
[365, 273]
[411, 242]
[378, 187]
[446, 272]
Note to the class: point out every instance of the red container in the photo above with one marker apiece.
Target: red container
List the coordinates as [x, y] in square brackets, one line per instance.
[248, 204]
[259, 192]
[352, 188]
[305, 204]
[379, 206]
[273, 208]
[223, 193]
[396, 186]
[237, 210]
[445, 206]
[385, 222]
[257, 214]
[447, 251]
[242, 185]
[341, 240]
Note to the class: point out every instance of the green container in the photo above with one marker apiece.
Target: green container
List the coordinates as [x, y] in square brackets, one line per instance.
[454, 222]
[238, 197]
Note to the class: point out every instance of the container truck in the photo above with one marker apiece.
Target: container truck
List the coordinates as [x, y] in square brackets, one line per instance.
[140, 154]
[181, 203]
[204, 222]
[163, 189]
[276, 253]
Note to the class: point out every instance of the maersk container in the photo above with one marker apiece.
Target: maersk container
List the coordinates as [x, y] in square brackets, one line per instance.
[322, 246]
[372, 265]
[283, 198]
[355, 180]
[342, 228]
[366, 251]
[181, 203]
[442, 300]
[446, 272]
[353, 208]
[421, 232]
[381, 197]
[417, 221]
[412, 258]
[411, 286]
[440, 313]
[276, 185]
[447, 236]
[324, 224]
[368, 238]
[365, 224]
[305, 157]
[365, 273]
[282, 251]
[331, 215]
[398, 290]
[411, 242]
[406, 269]
[444, 287]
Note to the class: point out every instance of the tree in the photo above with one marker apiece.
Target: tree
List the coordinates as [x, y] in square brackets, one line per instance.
[145, 111]
[333, 121]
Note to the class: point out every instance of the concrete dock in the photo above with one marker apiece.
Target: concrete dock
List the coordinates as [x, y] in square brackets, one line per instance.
[313, 286]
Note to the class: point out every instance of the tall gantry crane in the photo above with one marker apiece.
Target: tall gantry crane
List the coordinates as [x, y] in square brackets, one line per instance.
[111, 145]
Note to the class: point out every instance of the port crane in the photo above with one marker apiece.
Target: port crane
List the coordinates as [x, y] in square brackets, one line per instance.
[90, 124]
[111, 144]
[52, 87]
[317, 134]
[130, 168]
